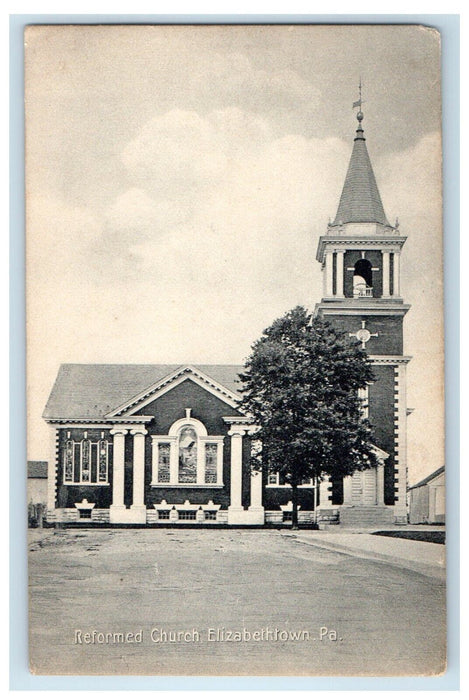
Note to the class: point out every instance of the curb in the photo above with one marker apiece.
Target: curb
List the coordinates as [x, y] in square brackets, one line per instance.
[431, 570]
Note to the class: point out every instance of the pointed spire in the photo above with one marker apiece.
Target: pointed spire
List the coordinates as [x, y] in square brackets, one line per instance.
[360, 201]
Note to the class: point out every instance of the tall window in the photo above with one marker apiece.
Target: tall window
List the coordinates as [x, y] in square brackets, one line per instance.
[164, 449]
[86, 461]
[187, 455]
[211, 459]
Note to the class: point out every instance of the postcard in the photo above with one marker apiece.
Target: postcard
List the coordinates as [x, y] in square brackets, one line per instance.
[235, 350]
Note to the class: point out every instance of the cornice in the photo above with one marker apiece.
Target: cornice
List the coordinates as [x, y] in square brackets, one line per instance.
[351, 242]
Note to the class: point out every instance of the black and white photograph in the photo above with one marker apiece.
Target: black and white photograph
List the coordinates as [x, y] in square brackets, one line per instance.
[235, 350]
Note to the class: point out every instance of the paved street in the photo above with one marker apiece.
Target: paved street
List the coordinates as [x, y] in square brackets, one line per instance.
[244, 602]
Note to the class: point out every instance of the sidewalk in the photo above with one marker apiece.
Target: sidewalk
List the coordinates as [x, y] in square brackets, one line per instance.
[424, 557]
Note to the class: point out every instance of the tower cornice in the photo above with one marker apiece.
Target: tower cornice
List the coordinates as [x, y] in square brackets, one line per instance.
[342, 241]
[361, 307]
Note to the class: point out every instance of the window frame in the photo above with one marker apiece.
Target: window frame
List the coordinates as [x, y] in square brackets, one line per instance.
[172, 438]
[78, 467]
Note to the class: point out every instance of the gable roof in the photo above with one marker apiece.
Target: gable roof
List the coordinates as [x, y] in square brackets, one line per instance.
[93, 391]
[37, 470]
[428, 478]
[360, 201]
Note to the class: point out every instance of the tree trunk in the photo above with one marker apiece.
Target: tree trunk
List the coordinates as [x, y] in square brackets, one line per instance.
[294, 502]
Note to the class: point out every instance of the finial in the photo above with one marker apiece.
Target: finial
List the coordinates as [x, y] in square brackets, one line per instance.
[396, 225]
[359, 102]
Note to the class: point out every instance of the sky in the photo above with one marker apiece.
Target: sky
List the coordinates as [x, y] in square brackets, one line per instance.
[178, 180]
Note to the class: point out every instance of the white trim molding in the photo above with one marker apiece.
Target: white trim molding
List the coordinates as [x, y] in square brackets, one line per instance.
[172, 380]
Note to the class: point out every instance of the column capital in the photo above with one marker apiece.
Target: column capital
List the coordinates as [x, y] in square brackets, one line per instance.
[240, 429]
[139, 430]
[119, 431]
[237, 430]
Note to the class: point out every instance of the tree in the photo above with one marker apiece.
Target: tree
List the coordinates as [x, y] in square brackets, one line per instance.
[300, 386]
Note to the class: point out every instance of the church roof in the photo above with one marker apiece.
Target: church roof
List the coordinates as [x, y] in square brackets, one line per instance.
[91, 391]
[360, 201]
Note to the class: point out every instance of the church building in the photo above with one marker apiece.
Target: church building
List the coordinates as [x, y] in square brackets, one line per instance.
[167, 444]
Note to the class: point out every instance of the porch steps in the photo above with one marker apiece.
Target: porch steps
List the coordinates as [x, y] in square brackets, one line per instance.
[366, 516]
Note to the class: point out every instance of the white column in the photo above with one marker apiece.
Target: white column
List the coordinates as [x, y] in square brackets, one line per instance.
[256, 509]
[52, 469]
[347, 490]
[235, 509]
[340, 274]
[138, 490]
[396, 275]
[386, 273]
[380, 483]
[118, 451]
[325, 494]
[328, 273]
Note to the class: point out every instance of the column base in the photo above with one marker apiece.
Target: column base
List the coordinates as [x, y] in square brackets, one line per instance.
[139, 514]
[400, 515]
[135, 515]
[255, 515]
[236, 515]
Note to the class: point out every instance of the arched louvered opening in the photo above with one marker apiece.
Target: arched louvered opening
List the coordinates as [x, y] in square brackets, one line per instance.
[363, 279]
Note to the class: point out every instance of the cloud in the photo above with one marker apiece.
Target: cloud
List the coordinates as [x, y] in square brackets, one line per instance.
[232, 77]
[249, 203]
[216, 236]
[410, 184]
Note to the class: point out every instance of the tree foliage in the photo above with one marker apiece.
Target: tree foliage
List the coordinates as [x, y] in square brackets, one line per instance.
[300, 385]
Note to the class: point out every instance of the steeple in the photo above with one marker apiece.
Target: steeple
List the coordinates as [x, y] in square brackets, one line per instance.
[360, 201]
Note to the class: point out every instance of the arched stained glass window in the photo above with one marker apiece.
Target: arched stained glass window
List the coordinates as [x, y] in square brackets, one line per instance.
[187, 455]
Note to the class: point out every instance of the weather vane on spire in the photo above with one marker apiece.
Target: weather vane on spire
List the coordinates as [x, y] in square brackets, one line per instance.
[359, 102]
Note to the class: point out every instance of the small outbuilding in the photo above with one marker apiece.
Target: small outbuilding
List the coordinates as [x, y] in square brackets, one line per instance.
[37, 482]
[427, 500]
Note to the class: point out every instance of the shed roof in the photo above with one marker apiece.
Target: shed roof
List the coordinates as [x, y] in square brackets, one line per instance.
[37, 470]
[428, 478]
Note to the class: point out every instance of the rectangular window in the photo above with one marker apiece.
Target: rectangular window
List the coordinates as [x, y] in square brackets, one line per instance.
[86, 462]
[68, 461]
[210, 515]
[211, 459]
[287, 516]
[163, 514]
[273, 479]
[103, 460]
[164, 450]
[187, 515]
[363, 396]
[85, 513]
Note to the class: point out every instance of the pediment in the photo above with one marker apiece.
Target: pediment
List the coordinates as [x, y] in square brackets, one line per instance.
[380, 454]
[169, 382]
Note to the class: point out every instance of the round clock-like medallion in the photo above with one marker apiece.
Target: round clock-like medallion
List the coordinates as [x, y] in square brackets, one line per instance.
[363, 335]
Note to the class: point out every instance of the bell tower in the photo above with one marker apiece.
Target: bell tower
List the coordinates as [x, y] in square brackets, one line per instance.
[360, 257]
